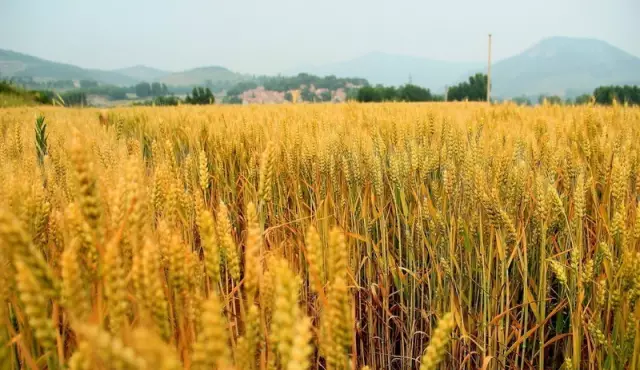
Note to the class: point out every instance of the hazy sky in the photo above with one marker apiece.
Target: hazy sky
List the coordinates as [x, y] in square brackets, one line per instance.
[268, 36]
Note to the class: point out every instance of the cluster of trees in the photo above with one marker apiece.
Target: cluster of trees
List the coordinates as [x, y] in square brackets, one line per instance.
[310, 96]
[531, 100]
[145, 89]
[473, 90]
[216, 87]
[74, 98]
[283, 84]
[200, 95]
[579, 100]
[286, 83]
[621, 94]
[408, 93]
[241, 87]
[604, 98]
[169, 100]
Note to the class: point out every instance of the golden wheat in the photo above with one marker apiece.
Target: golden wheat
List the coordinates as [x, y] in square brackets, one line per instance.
[322, 237]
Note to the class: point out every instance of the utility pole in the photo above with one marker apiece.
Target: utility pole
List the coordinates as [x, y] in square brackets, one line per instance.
[446, 92]
[489, 73]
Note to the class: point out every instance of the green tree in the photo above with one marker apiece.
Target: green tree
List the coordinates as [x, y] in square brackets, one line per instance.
[474, 90]
[407, 93]
[84, 84]
[74, 98]
[583, 99]
[166, 100]
[413, 93]
[116, 93]
[368, 94]
[156, 89]
[551, 99]
[200, 95]
[622, 94]
[143, 89]
[389, 93]
[241, 87]
[307, 95]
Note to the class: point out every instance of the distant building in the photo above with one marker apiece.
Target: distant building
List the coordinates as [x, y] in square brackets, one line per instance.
[261, 96]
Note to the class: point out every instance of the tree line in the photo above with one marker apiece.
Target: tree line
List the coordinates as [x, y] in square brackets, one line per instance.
[283, 84]
[287, 83]
[407, 93]
[145, 89]
[199, 96]
[622, 94]
[475, 89]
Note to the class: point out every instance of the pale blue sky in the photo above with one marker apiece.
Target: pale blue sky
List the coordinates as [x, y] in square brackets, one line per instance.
[268, 36]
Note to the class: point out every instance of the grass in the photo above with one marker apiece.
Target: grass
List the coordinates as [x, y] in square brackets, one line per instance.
[399, 236]
[12, 100]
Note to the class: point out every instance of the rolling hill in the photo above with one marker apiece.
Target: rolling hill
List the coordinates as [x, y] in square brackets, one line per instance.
[200, 75]
[142, 73]
[13, 64]
[23, 65]
[558, 64]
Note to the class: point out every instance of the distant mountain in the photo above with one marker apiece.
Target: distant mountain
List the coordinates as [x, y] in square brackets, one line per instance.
[391, 69]
[201, 75]
[559, 65]
[142, 73]
[23, 65]
[13, 64]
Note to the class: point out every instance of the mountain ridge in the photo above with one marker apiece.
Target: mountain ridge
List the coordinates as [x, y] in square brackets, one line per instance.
[142, 72]
[555, 65]
[16, 64]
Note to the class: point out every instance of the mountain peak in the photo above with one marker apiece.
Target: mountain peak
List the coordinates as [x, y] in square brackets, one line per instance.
[579, 45]
[557, 64]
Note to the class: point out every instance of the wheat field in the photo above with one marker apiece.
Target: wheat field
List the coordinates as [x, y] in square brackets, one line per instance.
[350, 236]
